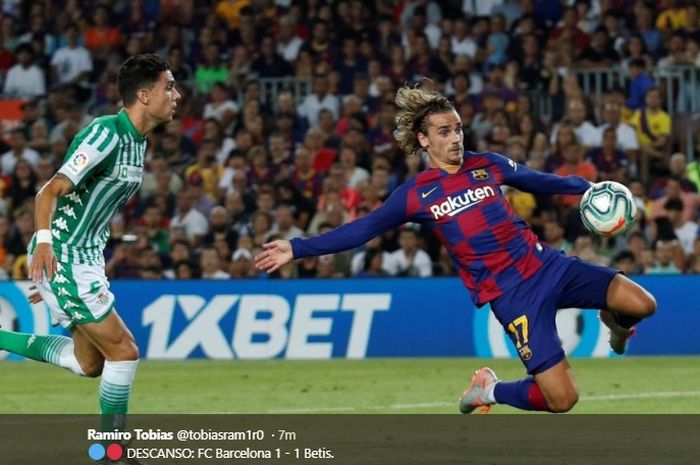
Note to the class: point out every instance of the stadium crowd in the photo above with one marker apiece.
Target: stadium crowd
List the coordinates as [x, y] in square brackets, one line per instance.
[237, 168]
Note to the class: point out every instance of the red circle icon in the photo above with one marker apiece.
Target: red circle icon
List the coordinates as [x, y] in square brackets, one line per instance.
[114, 452]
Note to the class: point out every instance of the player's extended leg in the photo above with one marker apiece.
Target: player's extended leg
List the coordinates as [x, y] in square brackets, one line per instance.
[57, 350]
[553, 390]
[116, 344]
[627, 303]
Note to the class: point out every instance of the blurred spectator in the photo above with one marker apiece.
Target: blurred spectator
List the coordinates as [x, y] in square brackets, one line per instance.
[678, 168]
[211, 71]
[179, 252]
[409, 260]
[570, 32]
[645, 25]
[101, 37]
[231, 11]
[182, 71]
[640, 83]
[575, 165]
[676, 51]
[585, 249]
[672, 17]
[194, 224]
[23, 185]
[288, 42]
[554, 236]
[241, 264]
[124, 262]
[653, 126]
[359, 261]
[19, 151]
[44, 172]
[71, 63]
[626, 136]
[155, 229]
[25, 79]
[221, 228]
[686, 231]
[221, 108]
[210, 266]
[663, 254]
[320, 98]
[269, 63]
[372, 264]
[691, 200]
[600, 53]
[611, 164]
[626, 263]
[206, 171]
[284, 226]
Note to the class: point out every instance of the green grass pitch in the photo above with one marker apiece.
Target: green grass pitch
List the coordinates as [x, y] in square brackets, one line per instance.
[417, 385]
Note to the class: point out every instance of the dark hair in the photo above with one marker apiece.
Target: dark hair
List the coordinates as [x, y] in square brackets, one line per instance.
[674, 204]
[624, 255]
[25, 47]
[138, 72]
[638, 63]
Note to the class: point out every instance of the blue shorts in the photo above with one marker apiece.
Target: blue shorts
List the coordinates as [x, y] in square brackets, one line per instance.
[528, 311]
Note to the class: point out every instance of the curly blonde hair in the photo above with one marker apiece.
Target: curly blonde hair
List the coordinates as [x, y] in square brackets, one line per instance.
[415, 105]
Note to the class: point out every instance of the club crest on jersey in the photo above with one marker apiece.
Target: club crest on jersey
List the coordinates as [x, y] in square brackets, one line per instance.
[458, 203]
[480, 175]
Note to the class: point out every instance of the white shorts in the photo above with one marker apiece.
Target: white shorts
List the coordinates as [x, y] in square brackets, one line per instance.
[77, 294]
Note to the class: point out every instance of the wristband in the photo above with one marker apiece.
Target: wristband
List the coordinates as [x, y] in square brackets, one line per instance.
[43, 236]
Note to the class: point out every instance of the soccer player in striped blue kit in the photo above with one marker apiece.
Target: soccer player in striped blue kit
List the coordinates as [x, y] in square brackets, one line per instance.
[102, 169]
[499, 258]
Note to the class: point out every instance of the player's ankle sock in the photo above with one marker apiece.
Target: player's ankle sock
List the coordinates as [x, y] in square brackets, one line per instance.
[53, 349]
[524, 394]
[625, 321]
[115, 389]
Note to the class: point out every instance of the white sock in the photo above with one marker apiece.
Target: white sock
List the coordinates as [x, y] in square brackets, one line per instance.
[489, 395]
[115, 386]
[67, 359]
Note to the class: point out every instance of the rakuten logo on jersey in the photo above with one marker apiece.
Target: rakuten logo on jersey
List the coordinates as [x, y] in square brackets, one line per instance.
[454, 205]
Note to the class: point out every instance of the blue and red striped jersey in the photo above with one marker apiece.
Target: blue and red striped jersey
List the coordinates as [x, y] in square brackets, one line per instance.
[492, 248]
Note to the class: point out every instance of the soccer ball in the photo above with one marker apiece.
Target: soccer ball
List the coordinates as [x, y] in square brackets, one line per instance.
[608, 209]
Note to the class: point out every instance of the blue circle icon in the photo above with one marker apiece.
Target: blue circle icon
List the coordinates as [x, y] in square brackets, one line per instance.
[96, 452]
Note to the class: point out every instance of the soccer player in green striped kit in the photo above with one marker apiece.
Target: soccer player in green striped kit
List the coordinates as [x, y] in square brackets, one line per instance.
[101, 171]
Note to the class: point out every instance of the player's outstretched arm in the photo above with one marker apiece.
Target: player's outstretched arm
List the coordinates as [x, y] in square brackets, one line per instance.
[276, 254]
[43, 259]
[347, 236]
[525, 179]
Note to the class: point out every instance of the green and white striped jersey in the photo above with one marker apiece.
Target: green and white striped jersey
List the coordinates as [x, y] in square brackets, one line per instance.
[105, 164]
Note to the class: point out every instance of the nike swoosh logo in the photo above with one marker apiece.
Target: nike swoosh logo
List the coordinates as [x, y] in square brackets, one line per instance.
[426, 194]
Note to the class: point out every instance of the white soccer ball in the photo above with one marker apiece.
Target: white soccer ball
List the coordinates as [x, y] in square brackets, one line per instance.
[608, 209]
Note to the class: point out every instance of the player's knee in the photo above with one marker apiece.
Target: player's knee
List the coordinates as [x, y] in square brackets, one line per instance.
[563, 402]
[130, 351]
[127, 348]
[647, 304]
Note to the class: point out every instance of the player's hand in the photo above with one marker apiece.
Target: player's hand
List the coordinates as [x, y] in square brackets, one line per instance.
[43, 260]
[34, 297]
[276, 254]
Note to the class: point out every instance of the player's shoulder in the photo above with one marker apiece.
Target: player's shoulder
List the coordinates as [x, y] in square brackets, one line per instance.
[476, 160]
[106, 123]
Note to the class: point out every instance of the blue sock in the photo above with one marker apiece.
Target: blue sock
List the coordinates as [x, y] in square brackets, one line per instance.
[524, 394]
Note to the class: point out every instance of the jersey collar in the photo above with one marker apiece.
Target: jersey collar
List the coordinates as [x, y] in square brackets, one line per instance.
[124, 118]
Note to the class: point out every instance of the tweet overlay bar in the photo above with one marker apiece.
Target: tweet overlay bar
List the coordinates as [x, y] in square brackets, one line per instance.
[353, 439]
